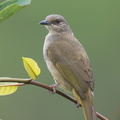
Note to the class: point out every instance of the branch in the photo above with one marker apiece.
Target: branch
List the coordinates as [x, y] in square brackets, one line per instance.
[32, 82]
[19, 80]
[63, 95]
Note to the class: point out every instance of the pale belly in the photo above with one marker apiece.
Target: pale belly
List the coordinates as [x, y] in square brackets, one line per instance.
[58, 78]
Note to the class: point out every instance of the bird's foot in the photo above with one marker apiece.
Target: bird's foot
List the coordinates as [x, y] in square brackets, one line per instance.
[54, 88]
[78, 105]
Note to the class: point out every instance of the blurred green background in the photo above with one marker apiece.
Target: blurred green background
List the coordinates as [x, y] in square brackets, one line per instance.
[96, 24]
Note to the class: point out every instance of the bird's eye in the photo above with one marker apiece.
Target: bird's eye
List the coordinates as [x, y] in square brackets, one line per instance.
[57, 21]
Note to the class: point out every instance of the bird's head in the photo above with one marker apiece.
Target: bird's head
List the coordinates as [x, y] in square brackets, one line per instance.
[56, 23]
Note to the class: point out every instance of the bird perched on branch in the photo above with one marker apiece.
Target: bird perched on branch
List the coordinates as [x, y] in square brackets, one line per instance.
[68, 63]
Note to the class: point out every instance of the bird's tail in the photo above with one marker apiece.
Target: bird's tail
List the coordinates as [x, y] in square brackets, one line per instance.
[87, 105]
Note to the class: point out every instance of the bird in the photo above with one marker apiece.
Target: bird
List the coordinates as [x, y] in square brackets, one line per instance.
[68, 63]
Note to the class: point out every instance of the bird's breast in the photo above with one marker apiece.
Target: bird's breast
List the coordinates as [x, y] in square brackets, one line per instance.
[52, 68]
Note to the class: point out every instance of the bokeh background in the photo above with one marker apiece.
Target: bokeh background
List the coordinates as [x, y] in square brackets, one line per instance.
[96, 24]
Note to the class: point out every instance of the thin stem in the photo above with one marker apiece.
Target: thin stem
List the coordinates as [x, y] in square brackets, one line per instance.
[101, 116]
[63, 95]
[32, 82]
[51, 89]
[20, 80]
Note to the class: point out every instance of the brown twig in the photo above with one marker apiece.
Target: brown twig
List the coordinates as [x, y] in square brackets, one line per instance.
[32, 82]
[50, 88]
[63, 95]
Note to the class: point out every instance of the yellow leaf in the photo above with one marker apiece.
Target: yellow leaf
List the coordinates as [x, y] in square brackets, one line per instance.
[7, 88]
[31, 67]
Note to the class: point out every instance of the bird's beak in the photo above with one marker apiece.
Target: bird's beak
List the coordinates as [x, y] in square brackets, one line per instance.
[44, 22]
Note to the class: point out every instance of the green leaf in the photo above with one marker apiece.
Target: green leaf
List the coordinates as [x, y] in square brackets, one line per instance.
[10, 7]
[31, 67]
[7, 88]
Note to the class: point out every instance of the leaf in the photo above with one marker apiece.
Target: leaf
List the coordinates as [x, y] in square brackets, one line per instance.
[31, 67]
[10, 7]
[7, 88]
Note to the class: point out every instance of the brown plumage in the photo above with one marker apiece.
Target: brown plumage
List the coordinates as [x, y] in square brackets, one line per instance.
[68, 63]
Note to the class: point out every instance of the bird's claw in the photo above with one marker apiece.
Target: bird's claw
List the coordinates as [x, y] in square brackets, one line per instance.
[78, 105]
[54, 88]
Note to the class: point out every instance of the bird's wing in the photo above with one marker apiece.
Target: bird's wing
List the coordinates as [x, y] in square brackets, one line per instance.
[71, 60]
